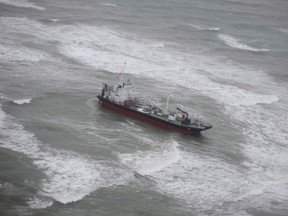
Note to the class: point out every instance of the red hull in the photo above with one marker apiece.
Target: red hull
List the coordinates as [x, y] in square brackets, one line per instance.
[146, 118]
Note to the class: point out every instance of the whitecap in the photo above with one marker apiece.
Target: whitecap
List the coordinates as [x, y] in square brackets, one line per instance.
[235, 43]
[210, 182]
[106, 49]
[22, 101]
[70, 176]
[13, 54]
[39, 202]
[110, 4]
[54, 20]
[158, 45]
[162, 64]
[149, 162]
[206, 28]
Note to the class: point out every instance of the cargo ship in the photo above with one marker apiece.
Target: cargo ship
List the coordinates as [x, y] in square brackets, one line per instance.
[118, 98]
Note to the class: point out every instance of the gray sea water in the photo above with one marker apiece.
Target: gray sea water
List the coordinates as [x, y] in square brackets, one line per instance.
[225, 61]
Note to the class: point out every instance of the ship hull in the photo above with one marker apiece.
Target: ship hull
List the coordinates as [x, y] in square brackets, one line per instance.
[144, 117]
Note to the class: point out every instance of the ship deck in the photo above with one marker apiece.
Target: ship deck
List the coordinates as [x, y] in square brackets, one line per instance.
[165, 118]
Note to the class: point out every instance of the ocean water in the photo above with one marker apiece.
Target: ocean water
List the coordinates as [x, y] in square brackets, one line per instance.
[225, 61]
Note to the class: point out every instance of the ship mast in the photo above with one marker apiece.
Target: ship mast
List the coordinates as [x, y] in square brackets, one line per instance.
[167, 104]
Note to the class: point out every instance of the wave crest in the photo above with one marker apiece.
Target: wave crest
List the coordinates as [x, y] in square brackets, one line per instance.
[235, 43]
[22, 101]
[206, 28]
[154, 161]
[70, 176]
[13, 54]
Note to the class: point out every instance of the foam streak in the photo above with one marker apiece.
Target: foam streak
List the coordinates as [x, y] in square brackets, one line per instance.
[70, 176]
[235, 43]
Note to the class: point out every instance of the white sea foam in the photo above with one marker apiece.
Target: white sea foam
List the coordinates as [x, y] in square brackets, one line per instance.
[71, 176]
[162, 65]
[267, 131]
[99, 50]
[152, 161]
[235, 43]
[158, 45]
[110, 4]
[14, 54]
[105, 49]
[22, 3]
[7, 187]
[40, 202]
[22, 101]
[54, 20]
[201, 182]
[206, 28]
[188, 177]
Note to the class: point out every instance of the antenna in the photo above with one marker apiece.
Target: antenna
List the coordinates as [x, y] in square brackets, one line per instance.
[167, 104]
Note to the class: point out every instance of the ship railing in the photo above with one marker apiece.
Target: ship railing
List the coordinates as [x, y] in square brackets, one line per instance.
[153, 103]
[150, 106]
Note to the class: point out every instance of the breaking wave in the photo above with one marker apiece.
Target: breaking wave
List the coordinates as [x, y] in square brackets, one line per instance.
[14, 54]
[106, 49]
[70, 176]
[54, 20]
[40, 202]
[206, 28]
[184, 176]
[152, 161]
[22, 101]
[235, 43]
